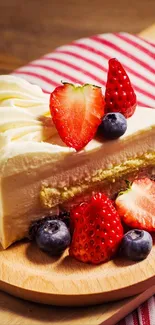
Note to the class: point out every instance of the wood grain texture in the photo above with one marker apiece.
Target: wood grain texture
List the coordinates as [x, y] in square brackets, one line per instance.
[31, 28]
[148, 33]
[16, 312]
[29, 273]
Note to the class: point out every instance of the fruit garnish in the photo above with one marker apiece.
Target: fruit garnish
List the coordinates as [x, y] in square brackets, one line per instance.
[119, 95]
[97, 230]
[136, 244]
[77, 112]
[63, 216]
[136, 205]
[113, 125]
[53, 236]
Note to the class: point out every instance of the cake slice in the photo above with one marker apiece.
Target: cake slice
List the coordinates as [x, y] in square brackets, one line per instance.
[39, 174]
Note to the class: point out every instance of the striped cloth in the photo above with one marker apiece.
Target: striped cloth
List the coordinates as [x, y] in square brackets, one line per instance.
[144, 315]
[86, 61]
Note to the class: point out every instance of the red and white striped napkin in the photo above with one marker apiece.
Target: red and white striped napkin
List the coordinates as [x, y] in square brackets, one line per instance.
[144, 315]
[86, 61]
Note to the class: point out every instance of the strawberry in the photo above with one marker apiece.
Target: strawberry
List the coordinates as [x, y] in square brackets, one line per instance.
[77, 112]
[119, 95]
[97, 230]
[136, 206]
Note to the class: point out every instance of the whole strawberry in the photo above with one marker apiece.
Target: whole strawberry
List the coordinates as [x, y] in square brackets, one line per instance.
[119, 95]
[97, 230]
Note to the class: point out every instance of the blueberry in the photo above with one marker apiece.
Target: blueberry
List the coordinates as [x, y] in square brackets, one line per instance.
[113, 125]
[53, 236]
[63, 215]
[136, 244]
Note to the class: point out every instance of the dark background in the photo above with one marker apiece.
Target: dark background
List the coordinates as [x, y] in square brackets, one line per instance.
[31, 28]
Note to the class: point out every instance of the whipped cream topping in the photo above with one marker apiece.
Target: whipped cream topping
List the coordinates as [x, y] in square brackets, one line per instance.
[16, 92]
[24, 112]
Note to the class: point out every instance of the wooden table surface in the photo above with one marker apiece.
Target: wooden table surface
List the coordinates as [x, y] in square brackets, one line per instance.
[31, 28]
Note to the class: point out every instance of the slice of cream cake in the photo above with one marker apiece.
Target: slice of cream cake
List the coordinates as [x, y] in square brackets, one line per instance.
[39, 174]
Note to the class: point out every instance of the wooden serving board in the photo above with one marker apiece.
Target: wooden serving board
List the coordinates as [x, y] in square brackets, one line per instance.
[28, 273]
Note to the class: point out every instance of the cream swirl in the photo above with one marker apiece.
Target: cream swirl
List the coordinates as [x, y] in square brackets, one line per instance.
[17, 92]
[24, 112]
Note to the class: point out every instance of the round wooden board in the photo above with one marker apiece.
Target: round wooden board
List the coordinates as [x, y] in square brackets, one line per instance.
[29, 273]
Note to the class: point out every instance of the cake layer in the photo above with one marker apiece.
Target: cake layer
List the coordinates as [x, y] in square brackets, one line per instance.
[51, 196]
[110, 187]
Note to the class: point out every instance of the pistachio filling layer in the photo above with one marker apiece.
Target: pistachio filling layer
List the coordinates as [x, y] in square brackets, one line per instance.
[51, 196]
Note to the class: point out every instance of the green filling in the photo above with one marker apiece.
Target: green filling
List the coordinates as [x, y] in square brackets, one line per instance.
[52, 196]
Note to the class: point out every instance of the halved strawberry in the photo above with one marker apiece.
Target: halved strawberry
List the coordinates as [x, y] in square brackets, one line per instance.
[119, 94]
[136, 206]
[77, 112]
